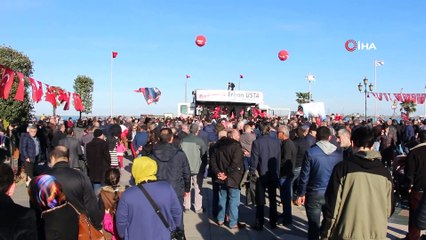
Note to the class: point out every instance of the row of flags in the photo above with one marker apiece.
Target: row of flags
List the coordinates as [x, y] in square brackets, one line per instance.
[53, 95]
[400, 97]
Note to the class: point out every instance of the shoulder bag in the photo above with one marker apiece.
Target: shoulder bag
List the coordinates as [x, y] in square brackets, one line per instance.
[176, 234]
[86, 230]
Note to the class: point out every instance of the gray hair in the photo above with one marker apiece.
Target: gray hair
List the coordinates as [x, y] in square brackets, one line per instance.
[343, 131]
[284, 129]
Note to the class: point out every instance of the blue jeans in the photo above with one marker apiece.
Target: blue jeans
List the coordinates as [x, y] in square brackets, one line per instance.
[286, 193]
[314, 204]
[96, 187]
[233, 196]
[246, 161]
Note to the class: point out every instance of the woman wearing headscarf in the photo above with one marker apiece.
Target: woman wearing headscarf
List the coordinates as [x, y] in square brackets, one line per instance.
[59, 220]
[135, 216]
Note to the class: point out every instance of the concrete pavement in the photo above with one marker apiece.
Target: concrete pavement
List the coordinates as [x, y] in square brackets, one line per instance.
[203, 226]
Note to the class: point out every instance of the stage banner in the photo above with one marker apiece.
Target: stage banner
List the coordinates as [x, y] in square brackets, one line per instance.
[250, 97]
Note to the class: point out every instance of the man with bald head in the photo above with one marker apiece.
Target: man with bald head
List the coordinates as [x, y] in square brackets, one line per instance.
[76, 185]
[227, 166]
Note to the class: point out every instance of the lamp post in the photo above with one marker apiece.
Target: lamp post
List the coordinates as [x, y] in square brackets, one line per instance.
[310, 79]
[367, 88]
[394, 105]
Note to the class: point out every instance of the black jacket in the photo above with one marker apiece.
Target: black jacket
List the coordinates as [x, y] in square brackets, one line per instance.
[288, 158]
[16, 222]
[415, 168]
[98, 159]
[228, 158]
[421, 214]
[302, 145]
[173, 167]
[61, 223]
[78, 191]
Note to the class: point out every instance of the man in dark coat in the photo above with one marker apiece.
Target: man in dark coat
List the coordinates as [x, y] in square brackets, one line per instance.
[288, 160]
[415, 170]
[74, 148]
[265, 158]
[29, 148]
[58, 135]
[172, 164]
[16, 222]
[317, 167]
[76, 186]
[98, 159]
[302, 145]
[227, 165]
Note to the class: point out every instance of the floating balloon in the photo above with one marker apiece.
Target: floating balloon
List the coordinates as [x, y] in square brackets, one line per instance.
[200, 40]
[283, 55]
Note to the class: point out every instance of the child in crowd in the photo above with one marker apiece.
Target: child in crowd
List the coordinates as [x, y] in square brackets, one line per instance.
[121, 149]
[109, 196]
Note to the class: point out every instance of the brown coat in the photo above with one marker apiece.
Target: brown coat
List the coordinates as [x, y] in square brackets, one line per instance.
[109, 197]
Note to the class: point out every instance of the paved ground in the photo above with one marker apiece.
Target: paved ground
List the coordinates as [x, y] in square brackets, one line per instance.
[202, 226]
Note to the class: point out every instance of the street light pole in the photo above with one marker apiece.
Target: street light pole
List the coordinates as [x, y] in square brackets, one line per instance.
[394, 108]
[367, 88]
[310, 79]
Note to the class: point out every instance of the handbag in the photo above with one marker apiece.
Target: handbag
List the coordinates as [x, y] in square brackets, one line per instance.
[86, 230]
[176, 234]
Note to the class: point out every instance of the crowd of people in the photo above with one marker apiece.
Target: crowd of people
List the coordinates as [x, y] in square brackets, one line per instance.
[352, 173]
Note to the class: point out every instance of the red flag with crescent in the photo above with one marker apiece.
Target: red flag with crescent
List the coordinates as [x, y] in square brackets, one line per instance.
[51, 95]
[34, 89]
[6, 83]
[20, 91]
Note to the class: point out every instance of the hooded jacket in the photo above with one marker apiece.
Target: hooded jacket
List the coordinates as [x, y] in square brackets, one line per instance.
[359, 199]
[317, 167]
[228, 158]
[173, 167]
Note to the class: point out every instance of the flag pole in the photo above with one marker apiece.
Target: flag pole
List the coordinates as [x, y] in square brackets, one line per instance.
[375, 88]
[110, 90]
[186, 87]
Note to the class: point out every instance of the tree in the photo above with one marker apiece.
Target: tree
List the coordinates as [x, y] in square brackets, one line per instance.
[83, 85]
[408, 107]
[302, 97]
[11, 110]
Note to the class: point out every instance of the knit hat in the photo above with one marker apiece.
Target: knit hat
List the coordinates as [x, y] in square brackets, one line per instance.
[144, 169]
[97, 133]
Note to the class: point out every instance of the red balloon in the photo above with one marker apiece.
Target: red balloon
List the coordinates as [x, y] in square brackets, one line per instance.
[200, 40]
[283, 55]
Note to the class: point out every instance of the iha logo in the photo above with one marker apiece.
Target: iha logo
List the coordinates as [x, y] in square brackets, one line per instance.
[352, 45]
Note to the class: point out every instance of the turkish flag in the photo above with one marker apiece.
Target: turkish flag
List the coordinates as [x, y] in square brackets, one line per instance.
[78, 105]
[61, 95]
[187, 76]
[50, 95]
[6, 83]
[33, 89]
[114, 54]
[67, 96]
[39, 91]
[20, 91]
